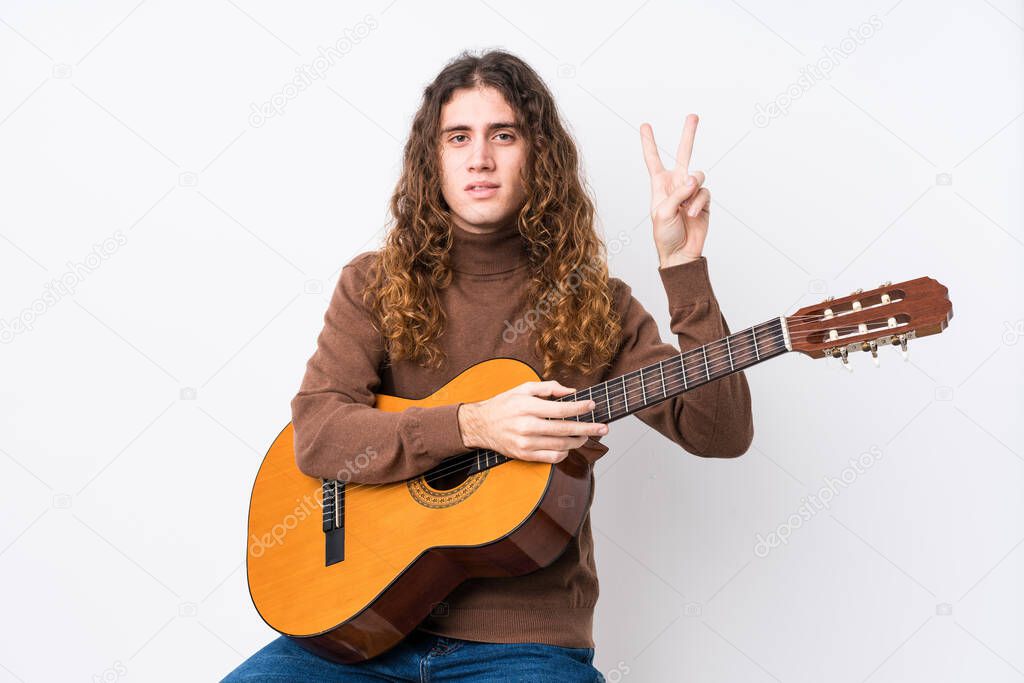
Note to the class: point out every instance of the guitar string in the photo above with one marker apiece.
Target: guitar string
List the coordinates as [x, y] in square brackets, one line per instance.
[733, 352]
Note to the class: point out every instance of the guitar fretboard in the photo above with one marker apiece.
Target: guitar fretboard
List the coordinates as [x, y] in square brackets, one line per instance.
[626, 394]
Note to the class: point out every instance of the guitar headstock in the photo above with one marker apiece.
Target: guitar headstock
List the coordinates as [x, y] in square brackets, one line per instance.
[863, 321]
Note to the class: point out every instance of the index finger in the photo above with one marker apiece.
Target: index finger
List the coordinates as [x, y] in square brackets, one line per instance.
[562, 409]
[651, 156]
[686, 146]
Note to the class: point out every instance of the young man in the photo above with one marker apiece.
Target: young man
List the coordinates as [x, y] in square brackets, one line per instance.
[494, 253]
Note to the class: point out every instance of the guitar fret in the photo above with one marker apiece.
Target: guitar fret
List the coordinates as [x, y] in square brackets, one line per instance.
[728, 350]
[643, 390]
[664, 389]
[753, 335]
[625, 394]
[707, 370]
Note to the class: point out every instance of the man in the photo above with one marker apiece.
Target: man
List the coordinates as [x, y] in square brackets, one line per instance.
[494, 253]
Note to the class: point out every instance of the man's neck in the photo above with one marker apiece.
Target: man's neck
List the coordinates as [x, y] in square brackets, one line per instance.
[485, 253]
[486, 228]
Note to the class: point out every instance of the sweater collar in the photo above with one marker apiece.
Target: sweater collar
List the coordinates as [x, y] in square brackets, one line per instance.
[487, 253]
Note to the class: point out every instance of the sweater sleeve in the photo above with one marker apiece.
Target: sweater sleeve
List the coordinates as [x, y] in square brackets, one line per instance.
[713, 420]
[338, 432]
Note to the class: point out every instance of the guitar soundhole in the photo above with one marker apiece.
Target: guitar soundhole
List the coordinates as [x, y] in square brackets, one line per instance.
[448, 478]
[447, 487]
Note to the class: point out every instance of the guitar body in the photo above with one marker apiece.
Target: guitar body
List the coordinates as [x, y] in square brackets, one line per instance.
[407, 544]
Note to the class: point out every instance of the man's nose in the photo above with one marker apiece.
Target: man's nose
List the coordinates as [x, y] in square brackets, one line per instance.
[480, 157]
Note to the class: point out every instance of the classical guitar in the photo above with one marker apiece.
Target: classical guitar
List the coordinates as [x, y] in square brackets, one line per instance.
[348, 569]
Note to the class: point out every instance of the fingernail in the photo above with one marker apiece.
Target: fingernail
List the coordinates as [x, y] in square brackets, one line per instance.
[691, 180]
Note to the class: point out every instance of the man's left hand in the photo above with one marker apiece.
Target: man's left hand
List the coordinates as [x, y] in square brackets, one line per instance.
[680, 206]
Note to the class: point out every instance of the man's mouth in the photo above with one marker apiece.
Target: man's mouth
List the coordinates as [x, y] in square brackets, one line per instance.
[482, 190]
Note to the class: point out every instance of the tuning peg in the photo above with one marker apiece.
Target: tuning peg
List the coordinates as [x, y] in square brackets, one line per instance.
[903, 347]
[857, 291]
[885, 284]
[871, 346]
[843, 354]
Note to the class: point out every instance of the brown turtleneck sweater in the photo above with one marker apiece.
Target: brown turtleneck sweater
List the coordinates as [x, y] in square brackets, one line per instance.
[335, 422]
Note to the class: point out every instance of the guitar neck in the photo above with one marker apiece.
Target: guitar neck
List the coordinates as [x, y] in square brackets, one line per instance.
[624, 395]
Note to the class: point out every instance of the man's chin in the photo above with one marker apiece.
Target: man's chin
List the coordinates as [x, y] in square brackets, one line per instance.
[487, 221]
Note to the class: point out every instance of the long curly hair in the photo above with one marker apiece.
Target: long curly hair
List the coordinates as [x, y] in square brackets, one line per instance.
[576, 325]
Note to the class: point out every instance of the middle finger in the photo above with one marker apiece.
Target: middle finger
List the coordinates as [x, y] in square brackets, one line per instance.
[556, 427]
[686, 146]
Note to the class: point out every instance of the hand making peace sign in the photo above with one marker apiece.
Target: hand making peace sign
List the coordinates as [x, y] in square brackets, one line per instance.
[680, 207]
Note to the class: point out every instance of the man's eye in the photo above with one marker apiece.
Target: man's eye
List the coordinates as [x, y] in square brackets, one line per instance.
[509, 135]
[460, 135]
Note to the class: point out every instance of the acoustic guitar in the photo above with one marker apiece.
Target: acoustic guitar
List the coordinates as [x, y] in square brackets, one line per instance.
[348, 570]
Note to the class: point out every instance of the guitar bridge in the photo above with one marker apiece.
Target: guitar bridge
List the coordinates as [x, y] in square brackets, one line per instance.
[334, 521]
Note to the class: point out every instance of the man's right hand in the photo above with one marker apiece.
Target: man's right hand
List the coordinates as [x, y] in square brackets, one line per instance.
[521, 423]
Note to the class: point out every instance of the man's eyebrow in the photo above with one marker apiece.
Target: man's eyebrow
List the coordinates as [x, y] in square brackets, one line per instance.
[463, 126]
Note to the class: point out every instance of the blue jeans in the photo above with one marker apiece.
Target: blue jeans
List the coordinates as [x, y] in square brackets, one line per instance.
[423, 657]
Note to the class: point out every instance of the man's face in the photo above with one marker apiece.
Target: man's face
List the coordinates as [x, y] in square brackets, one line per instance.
[481, 145]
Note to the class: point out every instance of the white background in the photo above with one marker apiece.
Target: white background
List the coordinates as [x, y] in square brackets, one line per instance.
[138, 406]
